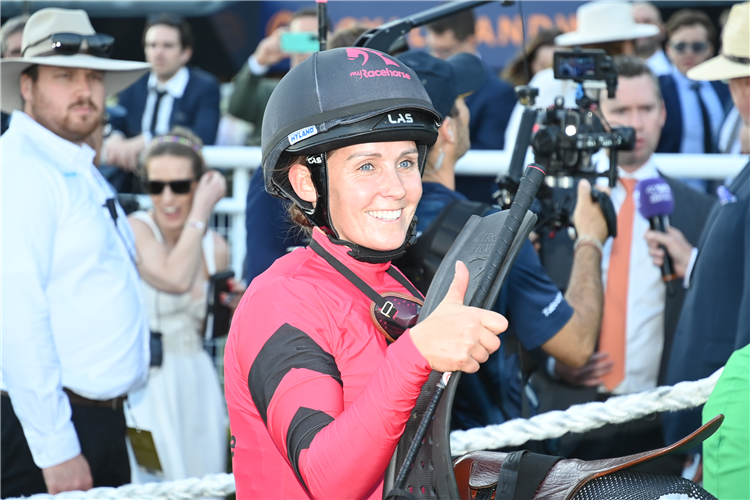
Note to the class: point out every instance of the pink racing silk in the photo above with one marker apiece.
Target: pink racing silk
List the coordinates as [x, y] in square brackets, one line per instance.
[317, 399]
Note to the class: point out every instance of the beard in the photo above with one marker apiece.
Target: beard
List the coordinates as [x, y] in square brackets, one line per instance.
[70, 126]
[645, 47]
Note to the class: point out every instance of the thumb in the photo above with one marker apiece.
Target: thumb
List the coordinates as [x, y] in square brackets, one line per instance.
[584, 188]
[459, 285]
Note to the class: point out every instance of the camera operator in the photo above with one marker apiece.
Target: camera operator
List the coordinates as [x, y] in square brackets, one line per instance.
[716, 318]
[640, 314]
[538, 314]
[601, 25]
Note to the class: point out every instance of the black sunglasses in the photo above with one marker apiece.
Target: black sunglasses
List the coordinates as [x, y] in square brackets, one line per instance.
[696, 47]
[399, 313]
[177, 187]
[68, 44]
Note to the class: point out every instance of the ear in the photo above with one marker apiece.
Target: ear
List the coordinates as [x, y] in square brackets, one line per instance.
[662, 115]
[448, 130]
[186, 55]
[302, 183]
[26, 86]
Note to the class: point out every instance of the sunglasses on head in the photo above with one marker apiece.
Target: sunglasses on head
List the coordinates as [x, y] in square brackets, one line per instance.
[696, 47]
[177, 187]
[68, 44]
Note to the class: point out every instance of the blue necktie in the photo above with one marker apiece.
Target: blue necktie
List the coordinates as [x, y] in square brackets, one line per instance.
[707, 140]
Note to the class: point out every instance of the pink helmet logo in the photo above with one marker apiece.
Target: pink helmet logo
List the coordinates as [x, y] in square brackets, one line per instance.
[354, 52]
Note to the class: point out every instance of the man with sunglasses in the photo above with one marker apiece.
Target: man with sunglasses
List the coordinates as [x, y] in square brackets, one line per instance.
[75, 334]
[173, 94]
[695, 110]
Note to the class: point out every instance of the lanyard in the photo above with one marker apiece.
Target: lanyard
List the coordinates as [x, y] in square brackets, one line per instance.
[382, 303]
[115, 212]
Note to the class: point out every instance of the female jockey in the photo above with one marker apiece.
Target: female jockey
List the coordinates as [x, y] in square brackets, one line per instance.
[324, 361]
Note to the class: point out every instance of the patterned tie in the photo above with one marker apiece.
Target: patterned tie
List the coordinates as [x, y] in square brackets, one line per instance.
[155, 116]
[614, 333]
[707, 136]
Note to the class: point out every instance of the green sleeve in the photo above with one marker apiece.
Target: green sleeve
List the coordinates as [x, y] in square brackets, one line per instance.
[726, 454]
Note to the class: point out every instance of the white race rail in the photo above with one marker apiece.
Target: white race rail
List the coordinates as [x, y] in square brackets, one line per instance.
[244, 160]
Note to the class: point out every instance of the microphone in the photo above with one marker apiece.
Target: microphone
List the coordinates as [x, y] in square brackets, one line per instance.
[655, 202]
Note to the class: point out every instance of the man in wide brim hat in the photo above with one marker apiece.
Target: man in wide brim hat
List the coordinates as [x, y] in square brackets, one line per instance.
[40, 47]
[601, 22]
[734, 60]
[75, 335]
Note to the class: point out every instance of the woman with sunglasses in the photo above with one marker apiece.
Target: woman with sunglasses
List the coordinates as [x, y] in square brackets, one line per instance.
[324, 360]
[182, 404]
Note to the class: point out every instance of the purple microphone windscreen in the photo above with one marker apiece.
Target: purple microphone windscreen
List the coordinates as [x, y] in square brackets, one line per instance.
[654, 197]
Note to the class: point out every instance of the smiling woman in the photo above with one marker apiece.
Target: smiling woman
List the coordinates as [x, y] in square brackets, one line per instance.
[181, 405]
[324, 360]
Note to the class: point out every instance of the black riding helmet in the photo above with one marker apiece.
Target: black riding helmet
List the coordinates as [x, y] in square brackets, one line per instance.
[335, 99]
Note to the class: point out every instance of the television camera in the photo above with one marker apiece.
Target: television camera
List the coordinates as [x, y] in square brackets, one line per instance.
[564, 140]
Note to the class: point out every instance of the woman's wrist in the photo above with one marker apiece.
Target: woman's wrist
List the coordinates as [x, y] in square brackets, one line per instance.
[196, 225]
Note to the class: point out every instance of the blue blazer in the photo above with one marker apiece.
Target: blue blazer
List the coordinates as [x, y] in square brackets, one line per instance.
[715, 319]
[671, 134]
[490, 107]
[197, 109]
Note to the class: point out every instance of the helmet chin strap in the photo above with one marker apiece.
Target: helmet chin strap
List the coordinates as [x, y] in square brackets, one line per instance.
[321, 217]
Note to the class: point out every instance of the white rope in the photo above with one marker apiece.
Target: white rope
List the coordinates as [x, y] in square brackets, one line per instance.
[585, 417]
[579, 418]
[214, 485]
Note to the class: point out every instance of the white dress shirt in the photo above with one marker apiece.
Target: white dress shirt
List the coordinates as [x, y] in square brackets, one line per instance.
[659, 63]
[692, 120]
[174, 88]
[72, 308]
[646, 294]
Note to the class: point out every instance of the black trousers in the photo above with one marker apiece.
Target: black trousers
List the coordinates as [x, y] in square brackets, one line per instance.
[101, 432]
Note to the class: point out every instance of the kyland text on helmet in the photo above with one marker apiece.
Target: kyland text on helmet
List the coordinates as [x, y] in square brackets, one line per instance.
[302, 133]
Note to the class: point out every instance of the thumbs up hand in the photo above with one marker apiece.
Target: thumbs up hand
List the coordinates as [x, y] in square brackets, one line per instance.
[458, 337]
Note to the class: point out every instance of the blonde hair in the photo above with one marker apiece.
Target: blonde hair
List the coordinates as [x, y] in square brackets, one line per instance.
[180, 141]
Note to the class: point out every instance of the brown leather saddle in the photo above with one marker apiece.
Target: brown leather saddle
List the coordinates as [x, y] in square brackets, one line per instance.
[520, 475]
[485, 475]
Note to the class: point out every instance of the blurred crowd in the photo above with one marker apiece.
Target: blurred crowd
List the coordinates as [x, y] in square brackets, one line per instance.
[94, 287]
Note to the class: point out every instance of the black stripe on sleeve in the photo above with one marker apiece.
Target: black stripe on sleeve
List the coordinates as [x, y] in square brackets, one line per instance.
[288, 348]
[304, 427]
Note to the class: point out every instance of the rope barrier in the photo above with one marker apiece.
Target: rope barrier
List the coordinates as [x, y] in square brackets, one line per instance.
[213, 485]
[585, 417]
[579, 418]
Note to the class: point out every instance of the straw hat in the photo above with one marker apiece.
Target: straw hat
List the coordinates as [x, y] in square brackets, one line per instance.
[734, 60]
[118, 75]
[599, 22]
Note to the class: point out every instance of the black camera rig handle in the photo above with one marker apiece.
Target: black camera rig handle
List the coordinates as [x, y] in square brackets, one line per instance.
[386, 36]
[608, 210]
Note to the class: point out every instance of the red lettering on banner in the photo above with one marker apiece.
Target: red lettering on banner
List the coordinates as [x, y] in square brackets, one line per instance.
[566, 23]
[538, 22]
[483, 32]
[509, 31]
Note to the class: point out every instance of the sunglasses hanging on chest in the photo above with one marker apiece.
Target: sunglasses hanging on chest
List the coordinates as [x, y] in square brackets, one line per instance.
[392, 313]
